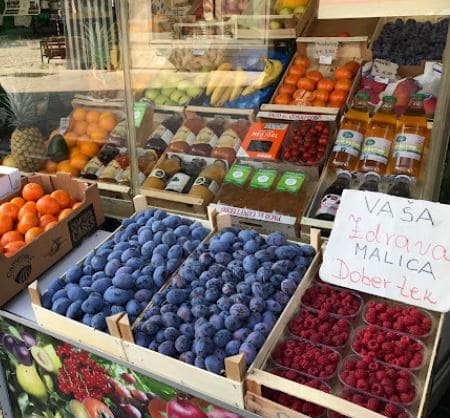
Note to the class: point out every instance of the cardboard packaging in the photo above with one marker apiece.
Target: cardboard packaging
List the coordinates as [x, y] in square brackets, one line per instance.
[25, 266]
[9, 180]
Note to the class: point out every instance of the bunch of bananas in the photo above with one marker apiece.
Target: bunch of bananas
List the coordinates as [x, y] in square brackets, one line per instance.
[225, 84]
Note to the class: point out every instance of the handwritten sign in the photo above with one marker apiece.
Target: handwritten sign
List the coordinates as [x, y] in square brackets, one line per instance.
[338, 9]
[384, 69]
[325, 51]
[64, 125]
[391, 247]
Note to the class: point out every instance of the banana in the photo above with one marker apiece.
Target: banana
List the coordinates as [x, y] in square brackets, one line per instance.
[216, 76]
[222, 92]
[239, 82]
[272, 71]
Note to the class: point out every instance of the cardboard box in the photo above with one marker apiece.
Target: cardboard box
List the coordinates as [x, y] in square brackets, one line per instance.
[9, 180]
[18, 271]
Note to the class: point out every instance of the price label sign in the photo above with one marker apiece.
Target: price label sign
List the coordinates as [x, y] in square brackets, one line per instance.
[64, 125]
[384, 69]
[325, 51]
[24, 7]
[392, 247]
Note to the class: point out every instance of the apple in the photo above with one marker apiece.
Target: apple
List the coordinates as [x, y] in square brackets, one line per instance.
[194, 91]
[167, 91]
[299, 10]
[152, 94]
[285, 11]
[275, 24]
[160, 100]
[184, 85]
[343, 34]
[175, 96]
[183, 100]
[183, 409]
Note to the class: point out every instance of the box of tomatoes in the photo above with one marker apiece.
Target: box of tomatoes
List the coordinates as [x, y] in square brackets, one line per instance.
[322, 76]
[42, 222]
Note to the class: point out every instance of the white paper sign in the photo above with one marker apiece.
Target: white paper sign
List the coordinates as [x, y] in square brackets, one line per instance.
[391, 247]
[384, 69]
[325, 51]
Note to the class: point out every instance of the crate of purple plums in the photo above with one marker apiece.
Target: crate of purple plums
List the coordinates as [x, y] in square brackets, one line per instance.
[121, 275]
[338, 353]
[212, 320]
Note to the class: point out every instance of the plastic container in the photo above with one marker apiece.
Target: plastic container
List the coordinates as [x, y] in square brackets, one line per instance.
[377, 405]
[278, 359]
[382, 367]
[398, 335]
[331, 307]
[302, 406]
[324, 332]
[425, 315]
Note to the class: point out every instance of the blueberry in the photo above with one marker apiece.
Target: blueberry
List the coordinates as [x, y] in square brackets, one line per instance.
[240, 311]
[257, 304]
[200, 311]
[228, 289]
[211, 295]
[160, 336]
[288, 286]
[168, 307]
[262, 328]
[244, 288]
[239, 255]
[206, 259]
[224, 303]
[187, 273]
[281, 298]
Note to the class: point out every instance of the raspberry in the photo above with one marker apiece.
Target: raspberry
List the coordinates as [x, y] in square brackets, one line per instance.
[362, 384]
[373, 404]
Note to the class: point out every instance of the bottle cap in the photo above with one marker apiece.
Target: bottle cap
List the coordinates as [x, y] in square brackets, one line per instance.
[344, 173]
[418, 96]
[363, 96]
[389, 99]
[403, 177]
[376, 176]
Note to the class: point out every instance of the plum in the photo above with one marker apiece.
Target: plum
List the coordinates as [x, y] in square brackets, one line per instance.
[74, 274]
[241, 334]
[160, 276]
[187, 273]
[232, 323]
[46, 299]
[98, 321]
[224, 303]
[177, 296]
[98, 262]
[228, 289]
[250, 264]
[263, 274]
[240, 310]
[144, 282]
[61, 305]
[175, 252]
[214, 364]
[157, 260]
[200, 311]
[286, 252]
[171, 334]
[211, 295]
[183, 343]
[262, 328]
[268, 289]
[222, 337]
[199, 362]
[172, 265]
[86, 281]
[217, 246]
[232, 348]
[56, 284]
[249, 352]
[256, 339]
[117, 296]
[281, 298]
[217, 321]
[170, 319]
[247, 234]
[59, 294]
[282, 267]
[160, 336]
[167, 348]
[206, 259]
[182, 231]
[257, 304]
[187, 357]
[276, 238]
[203, 346]
[205, 330]
[198, 291]
[274, 306]
[133, 307]
[251, 247]
[188, 330]
[76, 293]
[198, 300]
[115, 309]
[244, 288]
[288, 286]
[135, 263]
[147, 249]
[93, 304]
[185, 313]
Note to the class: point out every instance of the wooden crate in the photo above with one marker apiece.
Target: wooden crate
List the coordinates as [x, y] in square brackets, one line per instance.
[258, 377]
[229, 388]
[349, 48]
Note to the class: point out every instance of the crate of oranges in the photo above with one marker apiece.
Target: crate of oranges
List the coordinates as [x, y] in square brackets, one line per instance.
[91, 126]
[41, 223]
[321, 77]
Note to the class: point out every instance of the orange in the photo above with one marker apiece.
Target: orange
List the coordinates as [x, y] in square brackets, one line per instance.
[92, 116]
[11, 248]
[321, 95]
[338, 96]
[11, 236]
[341, 73]
[291, 79]
[33, 233]
[29, 220]
[282, 99]
[6, 223]
[99, 135]
[314, 75]
[71, 139]
[64, 213]
[44, 220]
[18, 201]
[62, 197]
[306, 84]
[353, 66]
[9, 209]
[66, 167]
[89, 148]
[50, 225]
[297, 70]
[79, 114]
[108, 123]
[32, 191]
[325, 84]
[78, 161]
[302, 60]
[80, 127]
[91, 128]
[50, 167]
[48, 205]
[286, 89]
[343, 84]
[76, 204]
[29, 207]
[74, 151]
[319, 103]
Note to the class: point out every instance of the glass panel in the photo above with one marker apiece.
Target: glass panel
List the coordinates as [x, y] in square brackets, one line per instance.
[62, 93]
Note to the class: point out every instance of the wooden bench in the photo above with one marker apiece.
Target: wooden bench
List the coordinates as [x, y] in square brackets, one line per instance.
[53, 48]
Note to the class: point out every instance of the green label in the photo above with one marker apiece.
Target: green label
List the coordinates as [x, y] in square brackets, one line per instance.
[291, 181]
[238, 174]
[263, 179]
[139, 112]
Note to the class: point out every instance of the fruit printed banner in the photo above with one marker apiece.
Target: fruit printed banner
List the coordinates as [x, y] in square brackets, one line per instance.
[48, 378]
[391, 247]
[339, 9]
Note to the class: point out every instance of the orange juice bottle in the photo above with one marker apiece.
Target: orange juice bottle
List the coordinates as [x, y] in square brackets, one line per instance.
[378, 139]
[410, 139]
[350, 137]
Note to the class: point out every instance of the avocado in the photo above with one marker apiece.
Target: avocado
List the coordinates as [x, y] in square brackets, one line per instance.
[49, 349]
[78, 409]
[30, 381]
[48, 382]
[42, 358]
[57, 149]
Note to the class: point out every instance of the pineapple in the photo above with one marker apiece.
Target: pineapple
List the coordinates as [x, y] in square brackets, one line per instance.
[27, 142]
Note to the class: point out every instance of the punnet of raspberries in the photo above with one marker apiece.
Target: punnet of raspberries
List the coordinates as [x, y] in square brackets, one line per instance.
[389, 346]
[333, 300]
[387, 409]
[299, 405]
[404, 319]
[320, 327]
[378, 379]
[306, 357]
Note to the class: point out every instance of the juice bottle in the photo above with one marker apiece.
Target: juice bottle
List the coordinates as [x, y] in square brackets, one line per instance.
[182, 181]
[410, 139]
[208, 137]
[208, 182]
[332, 197]
[163, 134]
[160, 176]
[350, 137]
[185, 136]
[401, 186]
[230, 141]
[378, 139]
[370, 183]
[234, 191]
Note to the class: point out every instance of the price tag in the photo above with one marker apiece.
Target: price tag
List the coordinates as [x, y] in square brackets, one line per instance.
[325, 51]
[24, 7]
[384, 69]
[64, 125]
